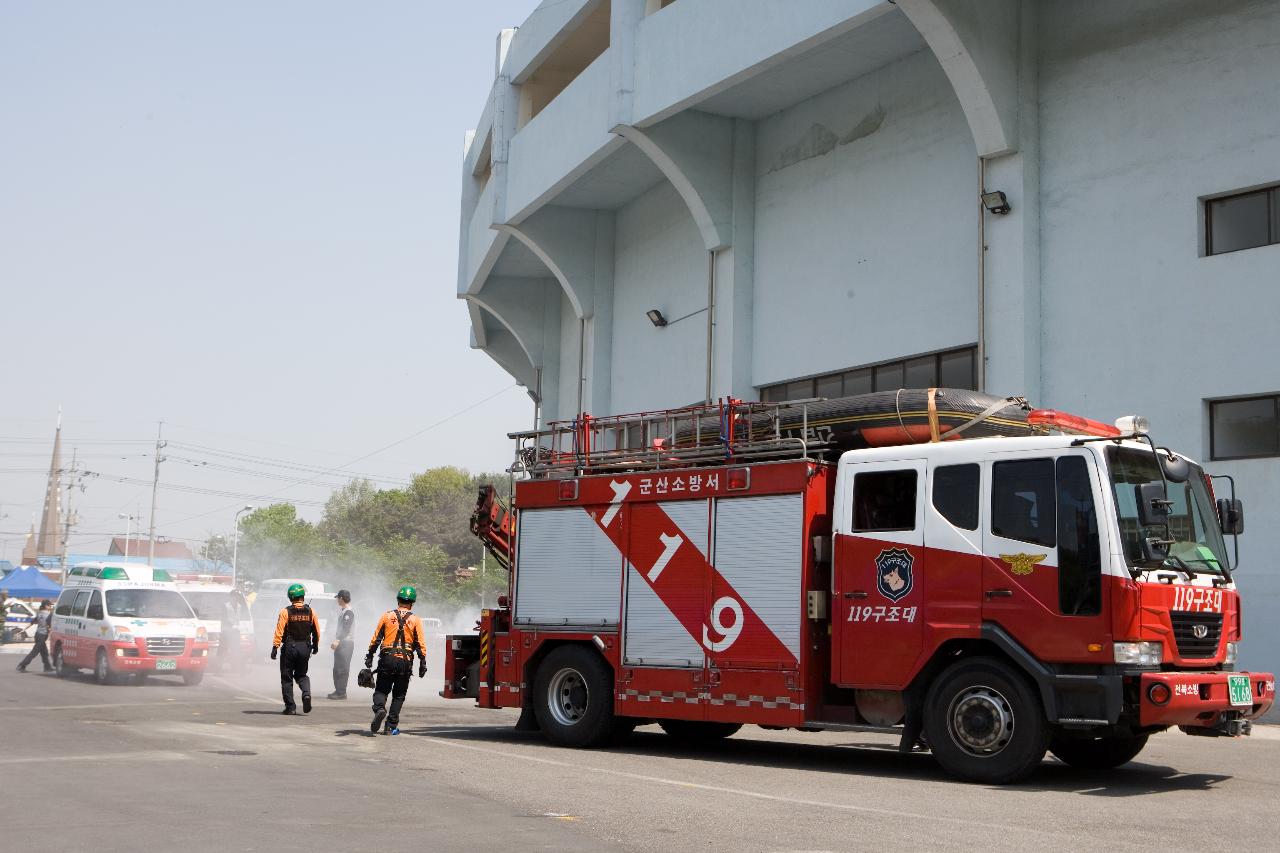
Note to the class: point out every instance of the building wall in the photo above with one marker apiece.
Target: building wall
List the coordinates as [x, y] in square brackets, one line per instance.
[659, 263]
[570, 332]
[865, 215]
[1145, 108]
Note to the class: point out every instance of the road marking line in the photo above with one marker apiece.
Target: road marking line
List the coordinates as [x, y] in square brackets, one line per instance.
[167, 704]
[104, 756]
[984, 824]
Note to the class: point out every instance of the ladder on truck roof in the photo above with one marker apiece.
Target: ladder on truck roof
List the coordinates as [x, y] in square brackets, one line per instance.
[705, 434]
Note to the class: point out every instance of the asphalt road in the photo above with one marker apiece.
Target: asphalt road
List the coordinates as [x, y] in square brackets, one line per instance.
[217, 768]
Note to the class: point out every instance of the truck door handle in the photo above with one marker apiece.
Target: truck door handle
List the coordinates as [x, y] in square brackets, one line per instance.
[999, 593]
[855, 594]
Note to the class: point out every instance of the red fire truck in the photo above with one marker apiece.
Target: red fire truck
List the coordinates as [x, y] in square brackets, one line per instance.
[1052, 584]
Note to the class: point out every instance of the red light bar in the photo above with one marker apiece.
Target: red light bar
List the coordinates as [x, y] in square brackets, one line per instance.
[568, 490]
[1071, 424]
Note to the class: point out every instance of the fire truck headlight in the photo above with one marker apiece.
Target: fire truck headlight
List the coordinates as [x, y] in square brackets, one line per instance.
[1233, 650]
[1138, 654]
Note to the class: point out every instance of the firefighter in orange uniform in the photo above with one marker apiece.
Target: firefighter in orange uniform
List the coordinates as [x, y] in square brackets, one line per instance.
[299, 632]
[399, 634]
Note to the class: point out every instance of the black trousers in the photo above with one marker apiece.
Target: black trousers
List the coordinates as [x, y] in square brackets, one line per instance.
[294, 660]
[342, 666]
[394, 680]
[40, 648]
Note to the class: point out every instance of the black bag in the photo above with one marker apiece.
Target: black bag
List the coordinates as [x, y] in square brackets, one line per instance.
[364, 678]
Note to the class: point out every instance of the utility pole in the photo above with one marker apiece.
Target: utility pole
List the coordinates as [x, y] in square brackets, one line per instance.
[73, 479]
[155, 489]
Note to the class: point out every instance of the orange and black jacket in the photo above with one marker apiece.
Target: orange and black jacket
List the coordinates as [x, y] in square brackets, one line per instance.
[298, 624]
[385, 635]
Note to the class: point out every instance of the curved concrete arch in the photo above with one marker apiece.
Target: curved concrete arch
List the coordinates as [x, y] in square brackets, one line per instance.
[566, 240]
[521, 360]
[976, 43]
[694, 151]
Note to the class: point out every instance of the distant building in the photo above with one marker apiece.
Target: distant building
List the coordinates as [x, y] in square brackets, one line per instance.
[120, 546]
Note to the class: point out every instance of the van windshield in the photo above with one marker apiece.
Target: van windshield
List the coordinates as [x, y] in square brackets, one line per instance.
[147, 604]
[1193, 523]
[208, 605]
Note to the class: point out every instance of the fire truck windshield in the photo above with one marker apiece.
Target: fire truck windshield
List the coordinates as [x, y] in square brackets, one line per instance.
[1193, 524]
[147, 604]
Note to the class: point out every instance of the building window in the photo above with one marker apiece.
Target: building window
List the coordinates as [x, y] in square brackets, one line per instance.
[1242, 221]
[950, 369]
[1244, 429]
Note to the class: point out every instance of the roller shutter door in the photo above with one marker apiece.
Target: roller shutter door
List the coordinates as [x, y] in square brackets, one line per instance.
[567, 570]
[653, 636]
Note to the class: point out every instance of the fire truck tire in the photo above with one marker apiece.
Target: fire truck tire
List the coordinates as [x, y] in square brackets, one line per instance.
[101, 672]
[573, 698]
[1096, 753]
[694, 731]
[191, 679]
[984, 722]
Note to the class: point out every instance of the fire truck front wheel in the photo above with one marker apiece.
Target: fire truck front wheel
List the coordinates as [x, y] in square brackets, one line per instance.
[573, 698]
[1096, 753]
[984, 722]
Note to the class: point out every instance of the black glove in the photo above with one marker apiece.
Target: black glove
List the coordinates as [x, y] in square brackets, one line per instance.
[315, 650]
[274, 651]
[368, 661]
[422, 668]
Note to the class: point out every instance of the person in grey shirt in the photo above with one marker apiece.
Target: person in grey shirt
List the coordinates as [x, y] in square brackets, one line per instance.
[41, 648]
[342, 645]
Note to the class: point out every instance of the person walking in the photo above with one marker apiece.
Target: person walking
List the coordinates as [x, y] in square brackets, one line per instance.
[299, 631]
[343, 645]
[234, 609]
[41, 648]
[399, 634]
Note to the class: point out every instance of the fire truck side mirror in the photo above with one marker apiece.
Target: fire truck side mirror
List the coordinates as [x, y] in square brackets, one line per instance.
[1153, 504]
[1231, 516]
[1154, 552]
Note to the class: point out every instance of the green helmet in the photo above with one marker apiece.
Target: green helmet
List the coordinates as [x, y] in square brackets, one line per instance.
[407, 593]
[296, 591]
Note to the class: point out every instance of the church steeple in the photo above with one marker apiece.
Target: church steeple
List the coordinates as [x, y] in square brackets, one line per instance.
[49, 542]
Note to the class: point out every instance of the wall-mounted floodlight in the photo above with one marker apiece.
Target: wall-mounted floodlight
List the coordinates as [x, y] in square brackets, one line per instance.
[996, 203]
[656, 318]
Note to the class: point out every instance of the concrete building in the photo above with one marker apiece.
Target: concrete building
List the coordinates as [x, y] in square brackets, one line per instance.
[818, 165]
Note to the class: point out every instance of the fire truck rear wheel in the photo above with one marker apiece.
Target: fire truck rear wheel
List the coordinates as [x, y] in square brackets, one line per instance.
[984, 722]
[1096, 753]
[692, 731]
[573, 698]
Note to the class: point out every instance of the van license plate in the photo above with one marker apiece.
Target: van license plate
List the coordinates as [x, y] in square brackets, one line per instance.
[173, 664]
[1239, 689]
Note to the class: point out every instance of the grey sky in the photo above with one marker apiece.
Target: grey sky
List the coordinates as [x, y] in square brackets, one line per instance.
[240, 218]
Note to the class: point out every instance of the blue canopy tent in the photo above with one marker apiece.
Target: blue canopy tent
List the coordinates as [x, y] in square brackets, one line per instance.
[27, 582]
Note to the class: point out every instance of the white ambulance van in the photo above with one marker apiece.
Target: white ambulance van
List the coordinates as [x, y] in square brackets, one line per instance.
[117, 618]
[209, 601]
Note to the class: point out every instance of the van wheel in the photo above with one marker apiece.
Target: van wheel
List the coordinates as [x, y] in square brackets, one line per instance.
[984, 722]
[191, 679]
[693, 731]
[60, 663]
[1085, 753]
[573, 698]
[101, 672]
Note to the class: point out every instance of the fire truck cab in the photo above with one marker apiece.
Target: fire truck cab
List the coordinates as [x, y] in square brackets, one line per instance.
[989, 599]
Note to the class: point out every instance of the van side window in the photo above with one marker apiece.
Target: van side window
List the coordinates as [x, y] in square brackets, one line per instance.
[82, 601]
[1022, 505]
[1079, 552]
[95, 606]
[64, 603]
[955, 494]
[884, 501]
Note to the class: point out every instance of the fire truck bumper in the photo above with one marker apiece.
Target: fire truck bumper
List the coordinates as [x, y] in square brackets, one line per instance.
[1205, 701]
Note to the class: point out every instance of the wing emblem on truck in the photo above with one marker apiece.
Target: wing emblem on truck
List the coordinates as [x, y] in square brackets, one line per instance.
[1022, 564]
[894, 578]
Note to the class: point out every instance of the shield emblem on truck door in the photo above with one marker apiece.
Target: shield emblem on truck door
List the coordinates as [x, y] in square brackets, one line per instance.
[894, 579]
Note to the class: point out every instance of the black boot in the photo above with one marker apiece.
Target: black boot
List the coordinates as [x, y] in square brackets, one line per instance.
[306, 703]
[379, 714]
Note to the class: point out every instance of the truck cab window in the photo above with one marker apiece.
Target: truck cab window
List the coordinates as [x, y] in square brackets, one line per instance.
[1079, 553]
[884, 501]
[1022, 505]
[955, 494]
